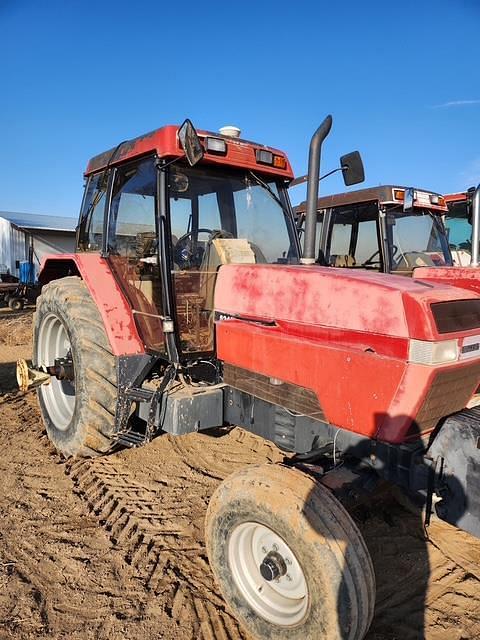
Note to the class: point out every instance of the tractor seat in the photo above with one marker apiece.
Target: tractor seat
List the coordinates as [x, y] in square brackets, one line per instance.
[338, 260]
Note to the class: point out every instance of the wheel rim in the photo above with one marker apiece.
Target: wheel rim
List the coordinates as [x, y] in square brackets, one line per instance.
[58, 396]
[282, 599]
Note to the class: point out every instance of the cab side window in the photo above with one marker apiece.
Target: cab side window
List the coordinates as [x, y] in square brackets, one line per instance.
[90, 234]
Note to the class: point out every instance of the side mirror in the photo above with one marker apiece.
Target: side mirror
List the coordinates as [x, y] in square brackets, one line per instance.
[469, 204]
[352, 168]
[408, 199]
[190, 143]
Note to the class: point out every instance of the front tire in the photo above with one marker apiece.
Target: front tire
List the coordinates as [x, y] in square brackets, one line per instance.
[79, 414]
[15, 304]
[288, 558]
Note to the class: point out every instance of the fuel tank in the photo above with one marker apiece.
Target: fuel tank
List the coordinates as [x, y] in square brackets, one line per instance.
[380, 355]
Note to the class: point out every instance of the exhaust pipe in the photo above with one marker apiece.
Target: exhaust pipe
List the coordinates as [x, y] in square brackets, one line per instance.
[475, 226]
[312, 189]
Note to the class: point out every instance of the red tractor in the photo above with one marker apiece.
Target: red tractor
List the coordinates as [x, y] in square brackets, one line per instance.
[189, 306]
[462, 224]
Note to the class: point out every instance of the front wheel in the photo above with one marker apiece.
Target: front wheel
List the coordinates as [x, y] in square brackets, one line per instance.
[78, 409]
[15, 304]
[288, 558]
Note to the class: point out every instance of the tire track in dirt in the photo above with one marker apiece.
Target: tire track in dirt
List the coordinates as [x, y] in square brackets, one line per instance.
[58, 572]
[152, 503]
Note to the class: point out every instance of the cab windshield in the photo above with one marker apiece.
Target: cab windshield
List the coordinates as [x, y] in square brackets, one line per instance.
[221, 217]
[459, 230]
[354, 239]
[206, 204]
[416, 239]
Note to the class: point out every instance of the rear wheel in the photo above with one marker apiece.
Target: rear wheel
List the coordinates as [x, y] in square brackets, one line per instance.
[288, 558]
[79, 410]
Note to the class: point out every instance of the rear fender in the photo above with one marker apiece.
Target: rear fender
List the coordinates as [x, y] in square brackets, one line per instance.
[455, 449]
[111, 302]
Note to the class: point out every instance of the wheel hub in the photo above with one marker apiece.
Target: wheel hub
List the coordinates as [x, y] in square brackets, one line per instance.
[273, 566]
[267, 574]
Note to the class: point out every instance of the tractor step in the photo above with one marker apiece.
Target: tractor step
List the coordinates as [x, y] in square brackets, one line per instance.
[131, 439]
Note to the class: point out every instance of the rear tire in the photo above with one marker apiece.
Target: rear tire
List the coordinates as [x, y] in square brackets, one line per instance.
[327, 588]
[79, 415]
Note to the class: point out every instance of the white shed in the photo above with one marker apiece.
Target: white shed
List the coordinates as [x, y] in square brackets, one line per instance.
[47, 234]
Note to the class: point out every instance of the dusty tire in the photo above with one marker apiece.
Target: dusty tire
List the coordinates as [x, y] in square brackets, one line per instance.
[16, 304]
[325, 543]
[79, 416]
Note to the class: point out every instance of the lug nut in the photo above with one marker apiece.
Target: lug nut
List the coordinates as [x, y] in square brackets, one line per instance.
[288, 577]
[264, 549]
[288, 561]
[275, 547]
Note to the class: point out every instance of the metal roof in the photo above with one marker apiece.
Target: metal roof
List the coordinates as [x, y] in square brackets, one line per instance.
[39, 222]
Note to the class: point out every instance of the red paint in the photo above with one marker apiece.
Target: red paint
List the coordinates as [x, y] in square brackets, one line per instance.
[343, 299]
[164, 143]
[322, 320]
[455, 197]
[107, 295]
[467, 278]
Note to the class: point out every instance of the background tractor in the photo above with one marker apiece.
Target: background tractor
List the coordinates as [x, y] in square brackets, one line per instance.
[189, 306]
[460, 223]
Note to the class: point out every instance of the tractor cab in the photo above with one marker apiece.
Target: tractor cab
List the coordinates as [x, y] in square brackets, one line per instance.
[389, 229]
[167, 210]
[458, 222]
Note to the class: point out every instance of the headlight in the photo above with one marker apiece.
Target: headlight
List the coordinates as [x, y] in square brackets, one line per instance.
[423, 352]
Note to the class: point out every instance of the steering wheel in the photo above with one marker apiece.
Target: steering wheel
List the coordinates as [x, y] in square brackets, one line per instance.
[185, 252]
[370, 260]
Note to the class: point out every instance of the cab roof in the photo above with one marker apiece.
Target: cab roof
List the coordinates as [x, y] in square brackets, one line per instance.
[383, 194]
[164, 143]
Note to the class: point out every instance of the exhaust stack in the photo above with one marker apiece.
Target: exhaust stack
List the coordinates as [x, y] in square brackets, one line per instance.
[312, 189]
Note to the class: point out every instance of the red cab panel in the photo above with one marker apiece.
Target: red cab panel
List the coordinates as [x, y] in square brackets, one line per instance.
[107, 295]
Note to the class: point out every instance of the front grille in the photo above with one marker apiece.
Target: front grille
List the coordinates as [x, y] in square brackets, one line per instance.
[449, 392]
[456, 315]
[291, 396]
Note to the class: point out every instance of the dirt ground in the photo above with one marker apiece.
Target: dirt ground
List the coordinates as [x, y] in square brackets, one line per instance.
[113, 548]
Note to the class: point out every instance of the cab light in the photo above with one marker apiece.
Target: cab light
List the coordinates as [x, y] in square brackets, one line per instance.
[399, 194]
[216, 145]
[279, 162]
[264, 157]
[437, 200]
[431, 353]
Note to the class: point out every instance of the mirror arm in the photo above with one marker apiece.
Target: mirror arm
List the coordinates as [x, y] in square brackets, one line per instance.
[330, 173]
[302, 179]
[161, 166]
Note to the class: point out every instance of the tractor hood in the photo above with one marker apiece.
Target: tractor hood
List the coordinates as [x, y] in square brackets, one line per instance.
[304, 298]
[462, 277]
[384, 356]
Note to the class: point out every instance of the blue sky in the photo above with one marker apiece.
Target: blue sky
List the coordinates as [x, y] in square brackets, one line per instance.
[400, 79]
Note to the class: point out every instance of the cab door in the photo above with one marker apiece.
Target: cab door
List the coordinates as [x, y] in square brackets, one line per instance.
[132, 246]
